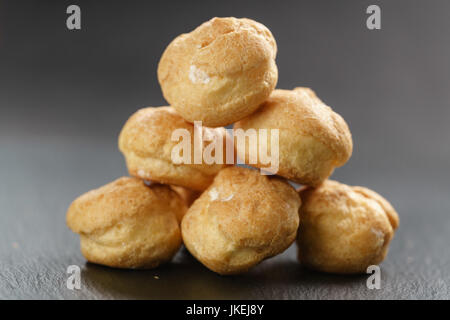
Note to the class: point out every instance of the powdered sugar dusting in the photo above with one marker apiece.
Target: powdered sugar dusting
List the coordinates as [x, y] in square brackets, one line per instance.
[198, 76]
[213, 194]
[228, 198]
[142, 174]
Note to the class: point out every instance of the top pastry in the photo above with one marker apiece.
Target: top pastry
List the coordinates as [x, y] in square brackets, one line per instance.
[220, 72]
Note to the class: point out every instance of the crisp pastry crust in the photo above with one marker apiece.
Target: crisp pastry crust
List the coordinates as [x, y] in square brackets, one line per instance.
[127, 224]
[313, 140]
[241, 219]
[188, 195]
[146, 142]
[344, 229]
[220, 72]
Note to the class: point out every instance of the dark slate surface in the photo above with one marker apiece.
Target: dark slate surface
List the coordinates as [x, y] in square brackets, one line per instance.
[64, 97]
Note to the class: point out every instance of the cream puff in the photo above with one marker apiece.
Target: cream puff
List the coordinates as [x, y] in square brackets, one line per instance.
[313, 139]
[240, 220]
[127, 224]
[149, 143]
[344, 229]
[220, 72]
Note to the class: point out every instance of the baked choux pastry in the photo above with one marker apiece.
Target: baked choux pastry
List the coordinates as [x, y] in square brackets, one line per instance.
[344, 229]
[189, 196]
[313, 140]
[127, 224]
[147, 144]
[241, 219]
[220, 72]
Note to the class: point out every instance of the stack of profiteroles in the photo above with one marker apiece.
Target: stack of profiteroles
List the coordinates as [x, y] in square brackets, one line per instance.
[232, 217]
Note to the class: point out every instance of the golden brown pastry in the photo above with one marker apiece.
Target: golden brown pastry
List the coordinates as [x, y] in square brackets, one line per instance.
[127, 224]
[313, 140]
[146, 142]
[220, 72]
[189, 196]
[241, 219]
[344, 229]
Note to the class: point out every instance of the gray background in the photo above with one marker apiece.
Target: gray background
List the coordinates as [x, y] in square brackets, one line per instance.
[64, 96]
